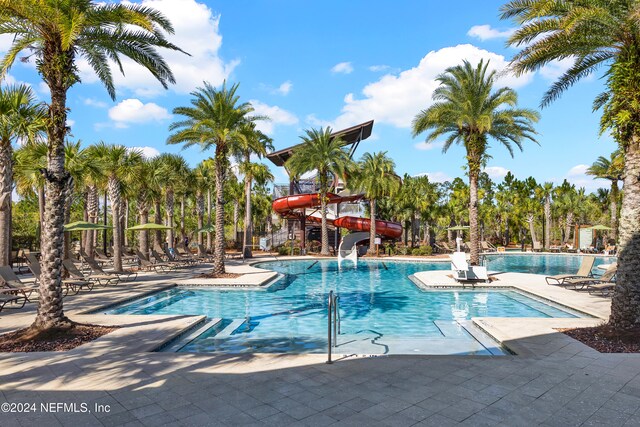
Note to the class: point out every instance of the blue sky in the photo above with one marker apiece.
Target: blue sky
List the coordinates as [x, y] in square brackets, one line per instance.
[338, 63]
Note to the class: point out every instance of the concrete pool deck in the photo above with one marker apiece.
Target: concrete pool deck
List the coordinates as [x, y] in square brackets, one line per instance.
[554, 380]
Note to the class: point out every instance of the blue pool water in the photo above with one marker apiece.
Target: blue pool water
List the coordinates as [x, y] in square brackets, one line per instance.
[541, 264]
[382, 311]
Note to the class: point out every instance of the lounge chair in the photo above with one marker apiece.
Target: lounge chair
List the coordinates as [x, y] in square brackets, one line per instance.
[124, 275]
[537, 247]
[583, 272]
[445, 246]
[100, 279]
[69, 284]
[10, 298]
[205, 256]
[185, 254]
[148, 265]
[463, 272]
[101, 256]
[172, 265]
[179, 260]
[14, 285]
[595, 283]
[487, 247]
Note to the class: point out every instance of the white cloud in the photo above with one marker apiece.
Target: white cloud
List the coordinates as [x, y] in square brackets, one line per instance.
[70, 122]
[284, 88]
[316, 122]
[578, 170]
[496, 172]
[396, 99]
[379, 68]
[555, 69]
[342, 68]
[94, 103]
[485, 32]
[6, 40]
[147, 152]
[427, 146]
[277, 115]
[196, 32]
[436, 176]
[134, 111]
[43, 88]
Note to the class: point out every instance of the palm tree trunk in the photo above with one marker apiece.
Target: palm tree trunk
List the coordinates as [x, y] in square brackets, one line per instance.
[473, 215]
[170, 205]
[40, 211]
[50, 313]
[218, 260]
[126, 223]
[236, 219]
[247, 217]
[567, 227]
[6, 182]
[547, 216]
[114, 196]
[372, 227]
[625, 304]
[200, 216]
[531, 220]
[325, 229]
[209, 218]
[157, 218]
[183, 234]
[614, 209]
[143, 216]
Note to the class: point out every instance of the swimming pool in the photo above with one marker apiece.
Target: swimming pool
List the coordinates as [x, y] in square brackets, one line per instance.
[382, 312]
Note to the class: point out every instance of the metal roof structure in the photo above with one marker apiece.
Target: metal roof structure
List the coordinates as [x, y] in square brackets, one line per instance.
[351, 136]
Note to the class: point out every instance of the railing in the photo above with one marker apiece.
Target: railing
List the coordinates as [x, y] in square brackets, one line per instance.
[333, 324]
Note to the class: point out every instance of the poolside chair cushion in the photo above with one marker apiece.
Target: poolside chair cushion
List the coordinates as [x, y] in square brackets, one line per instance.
[583, 272]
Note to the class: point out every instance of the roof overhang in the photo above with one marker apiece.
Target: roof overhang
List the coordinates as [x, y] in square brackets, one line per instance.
[350, 136]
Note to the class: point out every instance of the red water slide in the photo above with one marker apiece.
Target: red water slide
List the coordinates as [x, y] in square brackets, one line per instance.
[286, 206]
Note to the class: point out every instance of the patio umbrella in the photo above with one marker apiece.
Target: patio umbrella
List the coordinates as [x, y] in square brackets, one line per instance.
[458, 228]
[149, 226]
[84, 226]
[207, 229]
[600, 227]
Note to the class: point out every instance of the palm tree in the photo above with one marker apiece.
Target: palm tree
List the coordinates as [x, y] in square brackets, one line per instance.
[174, 167]
[611, 169]
[58, 33]
[322, 152]
[214, 119]
[20, 118]
[147, 189]
[595, 33]
[546, 191]
[468, 110]
[201, 175]
[251, 141]
[376, 178]
[118, 163]
[30, 159]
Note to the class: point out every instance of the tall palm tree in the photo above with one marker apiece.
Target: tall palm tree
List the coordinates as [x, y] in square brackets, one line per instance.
[251, 141]
[611, 169]
[376, 178]
[593, 34]
[470, 112]
[147, 189]
[59, 33]
[21, 117]
[324, 153]
[214, 119]
[119, 163]
[201, 175]
[546, 192]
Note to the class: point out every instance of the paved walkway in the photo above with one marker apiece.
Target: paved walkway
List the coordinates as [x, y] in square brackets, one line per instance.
[555, 381]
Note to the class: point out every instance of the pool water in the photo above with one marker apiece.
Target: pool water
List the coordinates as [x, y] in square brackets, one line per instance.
[541, 263]
[381, 310]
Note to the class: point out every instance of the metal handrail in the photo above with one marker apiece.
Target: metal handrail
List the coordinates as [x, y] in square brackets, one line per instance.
[333, 324]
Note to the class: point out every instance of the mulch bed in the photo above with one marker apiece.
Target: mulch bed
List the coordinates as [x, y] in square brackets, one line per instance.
[60, 340]
[607, 340]
[219, 276]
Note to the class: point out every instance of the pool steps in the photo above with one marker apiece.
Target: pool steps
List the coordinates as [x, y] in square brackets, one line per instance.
[479, 335]
[226, 332]
[187, 339]
[450, 329]
[152, 303]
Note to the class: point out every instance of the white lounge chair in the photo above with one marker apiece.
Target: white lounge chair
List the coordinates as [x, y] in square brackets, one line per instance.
[463, 272]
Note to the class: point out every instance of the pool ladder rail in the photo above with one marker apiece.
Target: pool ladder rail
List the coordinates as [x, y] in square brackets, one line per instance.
[333, 323]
